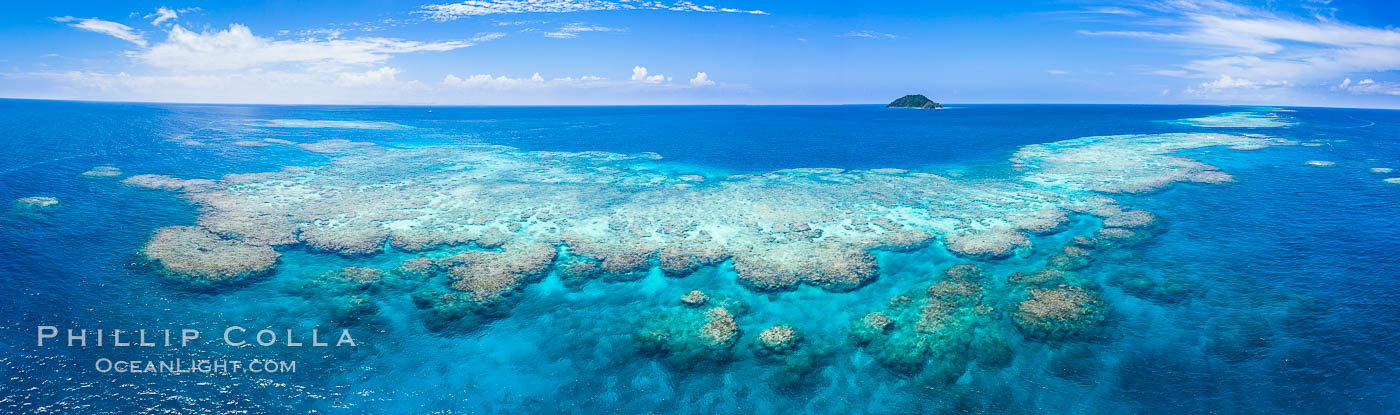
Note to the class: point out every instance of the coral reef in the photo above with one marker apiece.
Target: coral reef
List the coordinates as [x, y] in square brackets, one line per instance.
[488, 276]
[162, 182]
[932, 332]
[1059, 312]
[616, 217]
[719, 329]
[689, 334]
[1126, 163]
[103, 171]
[1070, 258]
[1166, 290]
[37, 201]
[1243, 119]
[1320, 163]
[343, 124]
[194, 253]
[779, 339]
[694, 298]
[250, 143]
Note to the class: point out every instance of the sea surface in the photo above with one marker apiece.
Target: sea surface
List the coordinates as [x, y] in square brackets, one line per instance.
[1275, 292]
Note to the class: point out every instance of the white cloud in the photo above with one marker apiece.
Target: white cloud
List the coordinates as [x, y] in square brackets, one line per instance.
[162, 14]
[639, 74]
[870, 34]
[487, 81]
[487, 37]
[1368, 86]
[572, 30]
[450, 11]
[113, 29]
[701, 79]
[385, 76]
[235, 65]
[1244, 48]
[269, 87]
[238, 48]
[640, 80]
[1226, 82]
[1056, 72]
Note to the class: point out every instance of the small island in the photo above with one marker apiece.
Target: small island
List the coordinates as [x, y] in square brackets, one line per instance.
[914, 101]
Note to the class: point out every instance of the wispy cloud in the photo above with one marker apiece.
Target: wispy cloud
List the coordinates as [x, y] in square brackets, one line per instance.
[164, 14]
[451, 11]
[1244, 48]
[1056, 72]
[572, 30]
[641, 79]
[238, 48]
[869, 34]
[1226, 82]
[487, 37]
[113, 29]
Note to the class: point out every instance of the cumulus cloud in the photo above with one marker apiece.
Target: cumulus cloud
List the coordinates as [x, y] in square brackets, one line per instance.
[450, 11]
[235, 65]
[1368, 86]
[639, 74]
[113, 29]
[238, 48]
[572, 30]
[701, 79]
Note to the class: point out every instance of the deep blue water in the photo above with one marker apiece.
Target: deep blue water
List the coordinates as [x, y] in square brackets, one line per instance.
[1293, 306]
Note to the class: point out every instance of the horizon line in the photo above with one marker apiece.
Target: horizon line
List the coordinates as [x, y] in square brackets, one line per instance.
[426, 105]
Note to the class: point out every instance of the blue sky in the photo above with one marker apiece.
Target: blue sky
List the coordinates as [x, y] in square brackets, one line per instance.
[577, 52]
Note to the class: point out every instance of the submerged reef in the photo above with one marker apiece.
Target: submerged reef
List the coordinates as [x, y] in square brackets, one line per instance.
[343, 124]
[1059, 312]
[1243, 119]
[192, 252]
[936, 332]
[617, 217]
[779, 339]
[103, 171]
[37, 201]
[692, 333]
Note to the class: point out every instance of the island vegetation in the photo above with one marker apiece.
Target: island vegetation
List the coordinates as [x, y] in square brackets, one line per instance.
[914, 101]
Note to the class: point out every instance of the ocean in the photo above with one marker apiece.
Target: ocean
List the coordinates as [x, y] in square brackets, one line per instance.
[710, 259]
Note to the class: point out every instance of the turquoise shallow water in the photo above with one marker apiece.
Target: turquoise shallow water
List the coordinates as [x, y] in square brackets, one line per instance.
[1274, 293]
